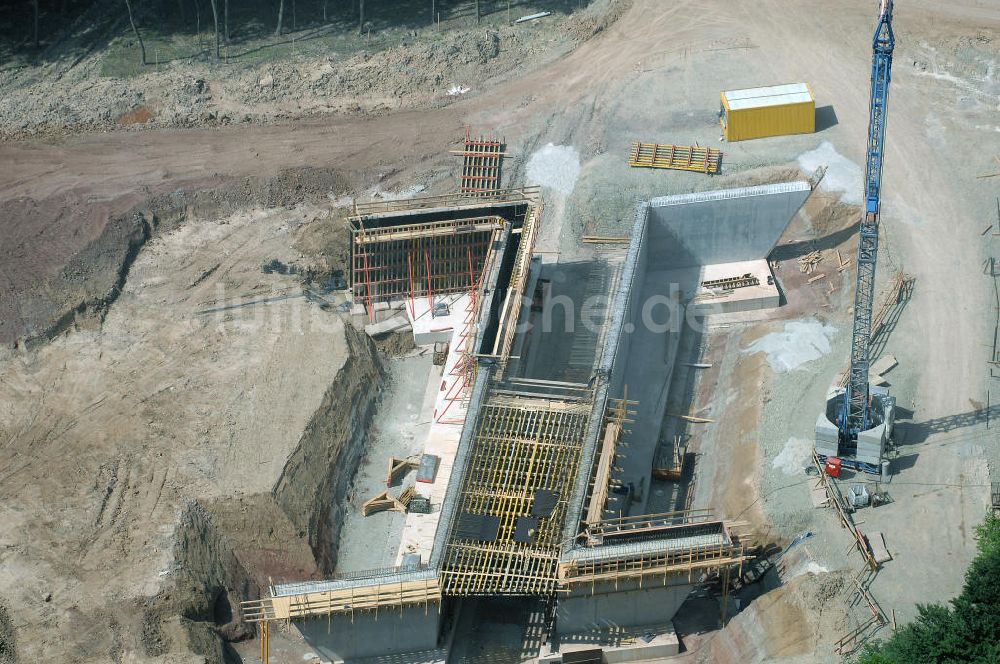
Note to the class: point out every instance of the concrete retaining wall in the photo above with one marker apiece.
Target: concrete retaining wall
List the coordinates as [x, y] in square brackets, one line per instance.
[628, 605]
[343, 638]
[722, 226]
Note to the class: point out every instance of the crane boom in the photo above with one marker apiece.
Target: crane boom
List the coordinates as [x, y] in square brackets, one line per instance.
[854, 416]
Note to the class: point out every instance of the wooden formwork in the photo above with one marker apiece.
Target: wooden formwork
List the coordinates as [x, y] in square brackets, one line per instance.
[511, 308]
[675, 157]
[420, 259]
[399, 467]
[521, 447]
[654, 566]
[451, 202]
[372, 596]
[481, 159]
[599, 532]
[386, 501]
[616, 417]
[732, 283]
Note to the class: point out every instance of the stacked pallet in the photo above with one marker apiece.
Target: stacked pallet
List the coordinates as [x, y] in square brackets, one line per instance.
[676, 157]
[732, 283]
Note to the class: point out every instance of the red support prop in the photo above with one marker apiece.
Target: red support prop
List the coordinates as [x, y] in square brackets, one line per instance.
[409, 267]
[430, 292]
[368, 290]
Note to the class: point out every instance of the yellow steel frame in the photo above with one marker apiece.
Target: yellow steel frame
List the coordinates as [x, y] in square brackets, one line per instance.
[675, 157]
[520, 447]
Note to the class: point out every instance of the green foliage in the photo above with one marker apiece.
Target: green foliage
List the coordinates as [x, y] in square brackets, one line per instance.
[966, 632]
[872, 654]
[988, 535]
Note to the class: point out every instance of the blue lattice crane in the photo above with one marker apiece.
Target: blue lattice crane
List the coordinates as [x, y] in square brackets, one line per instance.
[854, 414]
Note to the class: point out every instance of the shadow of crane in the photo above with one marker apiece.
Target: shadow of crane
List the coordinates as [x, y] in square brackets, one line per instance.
[891, 310]
[914, 433]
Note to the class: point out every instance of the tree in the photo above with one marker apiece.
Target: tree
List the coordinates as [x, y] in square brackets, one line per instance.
[197, 22]
[215, 20]
[281, 11]
[988, 535]
[35, 3]
[361, 17]
[135, 31]
[968, 631]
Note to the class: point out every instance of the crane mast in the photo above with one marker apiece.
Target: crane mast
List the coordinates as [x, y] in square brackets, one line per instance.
[854, 416]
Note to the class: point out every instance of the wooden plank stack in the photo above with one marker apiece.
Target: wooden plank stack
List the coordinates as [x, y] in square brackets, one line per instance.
[807, 263]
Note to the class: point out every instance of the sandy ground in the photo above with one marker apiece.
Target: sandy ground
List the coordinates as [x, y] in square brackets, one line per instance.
[653, 75]
[197, 386]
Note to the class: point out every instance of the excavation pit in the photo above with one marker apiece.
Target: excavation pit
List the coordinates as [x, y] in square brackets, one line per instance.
[527, 419]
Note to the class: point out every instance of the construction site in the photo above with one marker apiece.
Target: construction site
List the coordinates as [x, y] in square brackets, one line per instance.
[672, 338]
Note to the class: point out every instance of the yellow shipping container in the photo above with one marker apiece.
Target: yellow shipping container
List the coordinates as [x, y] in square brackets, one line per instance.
[773, 111]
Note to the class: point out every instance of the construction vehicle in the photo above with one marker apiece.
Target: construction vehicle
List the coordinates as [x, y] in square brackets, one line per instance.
[855, 411]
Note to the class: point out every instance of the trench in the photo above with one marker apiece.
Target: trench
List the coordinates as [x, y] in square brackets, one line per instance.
[402, 418]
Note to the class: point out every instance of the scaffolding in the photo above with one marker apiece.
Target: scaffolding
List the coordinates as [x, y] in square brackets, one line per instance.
[511, 310]
[525, 455]
[347, 600]
[682, 550]
[418, 260]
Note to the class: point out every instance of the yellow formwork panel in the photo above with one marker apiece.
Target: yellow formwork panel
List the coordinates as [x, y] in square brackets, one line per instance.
[677, 157]
[760, 122]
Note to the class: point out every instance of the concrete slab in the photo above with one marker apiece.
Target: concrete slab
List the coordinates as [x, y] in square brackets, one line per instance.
[749, 298]
[447, 419]
[395, 324]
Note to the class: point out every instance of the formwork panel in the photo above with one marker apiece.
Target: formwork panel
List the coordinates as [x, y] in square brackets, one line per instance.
[420, 259]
